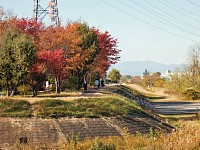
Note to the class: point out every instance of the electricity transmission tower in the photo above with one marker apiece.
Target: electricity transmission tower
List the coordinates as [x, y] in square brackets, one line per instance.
[51, 9]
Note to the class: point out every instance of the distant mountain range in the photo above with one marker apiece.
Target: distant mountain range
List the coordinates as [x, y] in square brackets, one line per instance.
[138, 67]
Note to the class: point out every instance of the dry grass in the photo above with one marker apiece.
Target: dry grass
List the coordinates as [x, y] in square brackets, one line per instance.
[179, 116]
[185, 138]
[198, 115]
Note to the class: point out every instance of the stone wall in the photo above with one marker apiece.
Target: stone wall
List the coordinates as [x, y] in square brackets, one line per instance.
[15, 131]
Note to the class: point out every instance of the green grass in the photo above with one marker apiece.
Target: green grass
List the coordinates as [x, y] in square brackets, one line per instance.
[14, 108]
[87, 107]
[130, 92]
[126, 90]
[123, 90]
[83, 107]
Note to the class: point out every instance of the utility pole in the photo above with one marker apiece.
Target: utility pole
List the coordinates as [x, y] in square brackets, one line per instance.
[51, 10]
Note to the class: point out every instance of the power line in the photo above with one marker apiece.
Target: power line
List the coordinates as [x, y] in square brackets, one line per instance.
[155, 13]
[147, 22]
[181, 8]
[168, 23]
[178, 11]
[193, 3]
[177, 19]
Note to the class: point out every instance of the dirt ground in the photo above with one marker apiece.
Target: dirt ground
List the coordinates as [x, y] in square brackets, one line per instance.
[66, 96]
[157, 92]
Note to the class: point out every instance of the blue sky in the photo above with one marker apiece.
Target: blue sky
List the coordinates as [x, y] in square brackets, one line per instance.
[153, 30]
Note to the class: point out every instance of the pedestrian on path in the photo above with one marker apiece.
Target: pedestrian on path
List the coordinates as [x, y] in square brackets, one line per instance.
[102, 83]
[1, 92]
[96, 83]
[85, 85]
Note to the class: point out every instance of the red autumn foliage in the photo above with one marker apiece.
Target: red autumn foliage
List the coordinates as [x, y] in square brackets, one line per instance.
[71, 50]
[109, 53]
[53, 60]
[29, 26]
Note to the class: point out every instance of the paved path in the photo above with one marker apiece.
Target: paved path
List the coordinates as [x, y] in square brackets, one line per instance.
[170, 105]
[172, 108]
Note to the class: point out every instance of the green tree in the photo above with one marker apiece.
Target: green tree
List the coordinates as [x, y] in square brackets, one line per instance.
[114, 75]
[16, 55]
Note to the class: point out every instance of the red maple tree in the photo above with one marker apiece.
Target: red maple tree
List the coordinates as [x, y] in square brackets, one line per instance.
[54, 64]
[109, 52]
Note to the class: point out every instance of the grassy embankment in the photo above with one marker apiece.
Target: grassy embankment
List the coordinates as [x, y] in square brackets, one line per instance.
[15, 108]
[91, 107]
[81, 107]
[185, 138]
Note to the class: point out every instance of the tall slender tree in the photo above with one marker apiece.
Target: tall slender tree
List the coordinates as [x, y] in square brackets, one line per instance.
[16, 55]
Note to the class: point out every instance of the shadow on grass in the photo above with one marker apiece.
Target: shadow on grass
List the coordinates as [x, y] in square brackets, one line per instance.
[54, 95]
[156, 97]
[63, 94]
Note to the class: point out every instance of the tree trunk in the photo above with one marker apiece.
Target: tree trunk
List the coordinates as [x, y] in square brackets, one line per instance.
[7, 93]
[35, 89]
[12, 93]
[79, 82]
[57, 83]
[7, 87]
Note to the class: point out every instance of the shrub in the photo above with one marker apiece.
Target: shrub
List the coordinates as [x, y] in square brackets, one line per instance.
[72, 82]
[24, 89]
[192, 94]
[98, 145]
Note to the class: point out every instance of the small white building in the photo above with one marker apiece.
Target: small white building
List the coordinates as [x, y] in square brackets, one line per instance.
[167, 75]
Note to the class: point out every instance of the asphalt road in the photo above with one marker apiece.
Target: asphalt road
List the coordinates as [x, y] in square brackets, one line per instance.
[172, 108]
